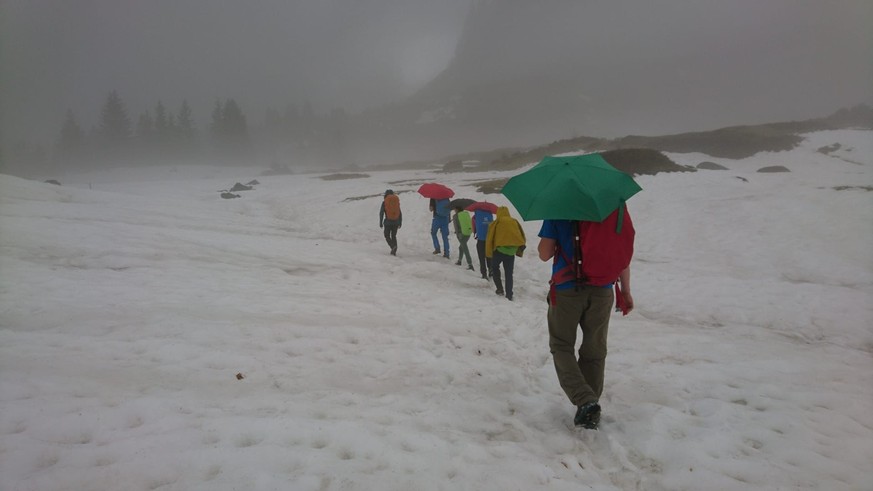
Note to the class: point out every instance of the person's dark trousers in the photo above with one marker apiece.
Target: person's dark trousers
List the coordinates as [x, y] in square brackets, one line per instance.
[391, 235]
[463, 250]
[484, 263]
[508, 264]
[588, 307]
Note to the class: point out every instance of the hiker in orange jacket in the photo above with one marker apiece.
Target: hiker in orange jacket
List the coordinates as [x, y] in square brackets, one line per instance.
[391, 218]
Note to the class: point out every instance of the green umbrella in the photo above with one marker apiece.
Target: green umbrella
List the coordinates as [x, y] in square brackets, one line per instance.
[575, 187]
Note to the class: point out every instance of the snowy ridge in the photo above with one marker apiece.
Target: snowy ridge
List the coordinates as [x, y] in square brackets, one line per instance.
[128, 309]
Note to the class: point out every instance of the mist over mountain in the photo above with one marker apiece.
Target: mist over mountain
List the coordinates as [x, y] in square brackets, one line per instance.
[316, 84]
[529, 72]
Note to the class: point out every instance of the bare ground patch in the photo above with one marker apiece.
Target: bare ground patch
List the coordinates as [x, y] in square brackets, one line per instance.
[853, 188]
[634, 161]
[368, 196]
[343, 176]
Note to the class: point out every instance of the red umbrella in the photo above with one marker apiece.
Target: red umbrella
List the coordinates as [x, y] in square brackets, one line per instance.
[482, 205]
[435, 191]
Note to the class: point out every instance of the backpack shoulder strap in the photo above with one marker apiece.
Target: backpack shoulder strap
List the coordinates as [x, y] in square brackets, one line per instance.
[572, 270]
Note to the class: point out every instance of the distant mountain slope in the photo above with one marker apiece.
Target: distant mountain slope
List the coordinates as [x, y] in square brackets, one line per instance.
[526, 72]
[734, 142]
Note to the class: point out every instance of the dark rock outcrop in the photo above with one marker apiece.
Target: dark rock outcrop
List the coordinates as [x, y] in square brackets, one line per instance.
[774, 168]
[711, 166]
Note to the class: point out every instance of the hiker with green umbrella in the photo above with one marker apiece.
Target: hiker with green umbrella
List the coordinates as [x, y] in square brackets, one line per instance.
[588, 234]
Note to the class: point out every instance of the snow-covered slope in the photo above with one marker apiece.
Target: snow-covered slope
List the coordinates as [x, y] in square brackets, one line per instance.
[129, 302]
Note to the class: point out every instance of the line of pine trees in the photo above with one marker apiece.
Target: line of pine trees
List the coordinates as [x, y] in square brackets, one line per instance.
[160, 134]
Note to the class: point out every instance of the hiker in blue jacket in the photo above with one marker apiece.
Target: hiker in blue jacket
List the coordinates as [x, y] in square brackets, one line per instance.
[441, 210]
[481, 220]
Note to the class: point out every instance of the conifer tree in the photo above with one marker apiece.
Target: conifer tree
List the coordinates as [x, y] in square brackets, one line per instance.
[216, 127]
[145, 134]
[234, 120]
[71, 144]
[114, 123]
[291, 119]
[171, 126]
[72, 135]
[229, 130]
[162, 126]
[184, 133]
[185, 122]
[145, 127]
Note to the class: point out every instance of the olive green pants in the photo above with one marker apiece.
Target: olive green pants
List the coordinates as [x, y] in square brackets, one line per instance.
[589, 308]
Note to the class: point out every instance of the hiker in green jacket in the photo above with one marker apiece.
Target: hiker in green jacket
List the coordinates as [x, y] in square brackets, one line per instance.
[463, 225]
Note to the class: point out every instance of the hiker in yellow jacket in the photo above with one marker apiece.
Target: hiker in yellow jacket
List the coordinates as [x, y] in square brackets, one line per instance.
[504, 241]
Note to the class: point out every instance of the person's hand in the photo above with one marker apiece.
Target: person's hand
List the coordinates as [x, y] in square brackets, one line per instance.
[380, 225]
[628, 300]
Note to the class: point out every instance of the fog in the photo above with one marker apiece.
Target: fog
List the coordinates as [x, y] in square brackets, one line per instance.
[59, 54]
[607, 68]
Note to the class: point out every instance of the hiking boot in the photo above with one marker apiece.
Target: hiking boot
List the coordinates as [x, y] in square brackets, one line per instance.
[394, 251]
[446, 255]
[499, 292]
[509, 297]
[484, 277]
[588, 416]
[437, 252]
[471, 268]
[458, 263]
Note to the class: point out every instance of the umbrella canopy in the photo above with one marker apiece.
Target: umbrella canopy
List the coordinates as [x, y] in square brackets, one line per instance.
[576, 187]
[483, 205]
[435, 191]
[461, 203]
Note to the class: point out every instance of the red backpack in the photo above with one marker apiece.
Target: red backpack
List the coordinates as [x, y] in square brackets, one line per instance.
[602, 250]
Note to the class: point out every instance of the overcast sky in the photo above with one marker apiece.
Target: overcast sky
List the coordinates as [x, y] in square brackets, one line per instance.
[332, 53]
[354, 54]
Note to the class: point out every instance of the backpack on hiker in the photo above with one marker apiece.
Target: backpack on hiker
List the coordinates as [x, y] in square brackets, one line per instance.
[481, 220]
[465, 223]
[601, 251]
[392, 207]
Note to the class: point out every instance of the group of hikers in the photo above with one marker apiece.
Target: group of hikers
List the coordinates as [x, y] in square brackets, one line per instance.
[591, 260]
[498, 240]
